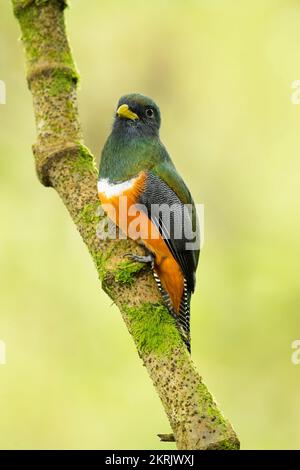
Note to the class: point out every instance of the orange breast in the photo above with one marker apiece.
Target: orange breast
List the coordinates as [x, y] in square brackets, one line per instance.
[122, 209]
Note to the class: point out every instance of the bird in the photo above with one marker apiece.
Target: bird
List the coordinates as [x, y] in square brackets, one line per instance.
[135, 167]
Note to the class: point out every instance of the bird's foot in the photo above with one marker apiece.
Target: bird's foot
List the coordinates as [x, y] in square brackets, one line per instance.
[142, 259]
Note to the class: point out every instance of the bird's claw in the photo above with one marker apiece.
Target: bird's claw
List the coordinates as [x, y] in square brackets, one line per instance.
[141, 259]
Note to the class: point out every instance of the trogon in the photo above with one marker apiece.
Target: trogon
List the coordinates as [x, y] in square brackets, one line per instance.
[135, 167]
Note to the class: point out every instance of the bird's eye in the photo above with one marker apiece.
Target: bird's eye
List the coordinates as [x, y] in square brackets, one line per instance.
[149, 112]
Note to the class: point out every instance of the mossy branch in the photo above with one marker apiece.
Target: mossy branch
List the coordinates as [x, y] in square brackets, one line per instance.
[63, 162]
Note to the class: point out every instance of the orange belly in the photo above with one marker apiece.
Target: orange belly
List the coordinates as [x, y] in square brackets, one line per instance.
[123, 211]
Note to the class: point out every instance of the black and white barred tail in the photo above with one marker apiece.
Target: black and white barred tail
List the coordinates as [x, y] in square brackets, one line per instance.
[183, 319]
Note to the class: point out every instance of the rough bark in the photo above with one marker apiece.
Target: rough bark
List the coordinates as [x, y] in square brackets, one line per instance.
[63, 162]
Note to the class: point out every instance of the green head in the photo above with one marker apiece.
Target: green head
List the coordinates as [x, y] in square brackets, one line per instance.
[134, 143]
[138, 115]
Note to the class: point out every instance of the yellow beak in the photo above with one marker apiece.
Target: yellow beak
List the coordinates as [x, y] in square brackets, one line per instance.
[124, 112]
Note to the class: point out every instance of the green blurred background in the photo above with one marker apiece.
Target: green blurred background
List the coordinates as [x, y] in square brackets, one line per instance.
[221, 71]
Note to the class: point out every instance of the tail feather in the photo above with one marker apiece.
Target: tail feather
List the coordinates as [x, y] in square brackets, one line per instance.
[185, 313]
[183, 319]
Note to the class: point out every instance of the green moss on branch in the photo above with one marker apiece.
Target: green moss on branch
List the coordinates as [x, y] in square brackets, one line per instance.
[89, 214]
[153, 329]
[84, 162]
[126, 271]
[20, 5]
[62, 81]
[208, 407]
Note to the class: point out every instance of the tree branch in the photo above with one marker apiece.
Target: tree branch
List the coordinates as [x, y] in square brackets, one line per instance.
[63, 162]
